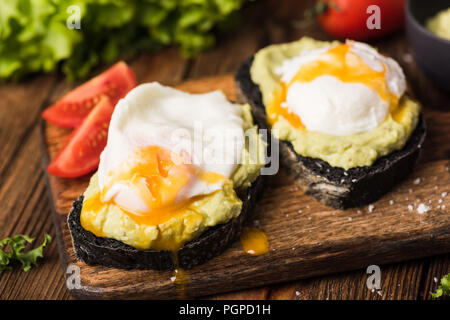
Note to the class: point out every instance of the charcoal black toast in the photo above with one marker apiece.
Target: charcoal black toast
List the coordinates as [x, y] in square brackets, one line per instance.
[333, 186]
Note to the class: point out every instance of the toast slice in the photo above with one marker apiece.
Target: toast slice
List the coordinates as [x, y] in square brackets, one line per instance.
[333, 186]
[108, 252]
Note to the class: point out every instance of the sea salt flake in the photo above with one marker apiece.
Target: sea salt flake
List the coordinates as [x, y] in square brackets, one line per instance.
[173, 278]
[444, 194]
[371, 207]
[410, 207]
[440, 201]
[422, 208]
[416, 181]
[391, 202]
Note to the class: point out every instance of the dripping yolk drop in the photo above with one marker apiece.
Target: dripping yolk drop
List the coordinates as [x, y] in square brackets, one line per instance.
[254, 241]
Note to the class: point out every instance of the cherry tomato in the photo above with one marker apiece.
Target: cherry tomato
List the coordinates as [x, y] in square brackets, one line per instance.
[349, 18]
[75, 106]
[81, 154]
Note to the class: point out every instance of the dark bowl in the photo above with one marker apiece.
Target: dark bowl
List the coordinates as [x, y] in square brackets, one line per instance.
[431, 52]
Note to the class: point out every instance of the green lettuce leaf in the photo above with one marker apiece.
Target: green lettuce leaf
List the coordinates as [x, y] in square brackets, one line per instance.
[11, 250]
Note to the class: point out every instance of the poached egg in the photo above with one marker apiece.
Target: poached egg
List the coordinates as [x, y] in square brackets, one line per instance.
[165, 149]
[339, 90]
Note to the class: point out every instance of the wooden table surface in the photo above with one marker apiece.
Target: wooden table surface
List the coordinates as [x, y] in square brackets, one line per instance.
[25, 206]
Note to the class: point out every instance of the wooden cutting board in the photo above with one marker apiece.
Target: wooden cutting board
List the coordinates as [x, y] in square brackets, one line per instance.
[306, 238]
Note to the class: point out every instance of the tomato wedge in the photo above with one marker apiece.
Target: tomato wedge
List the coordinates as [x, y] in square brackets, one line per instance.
[81, 154]
[70, 111]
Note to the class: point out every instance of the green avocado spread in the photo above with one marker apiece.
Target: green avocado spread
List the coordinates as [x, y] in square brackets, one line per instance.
[110, 221]
[440, 24]
[361, 149]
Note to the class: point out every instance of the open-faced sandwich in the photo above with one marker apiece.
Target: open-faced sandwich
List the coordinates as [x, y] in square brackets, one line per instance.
[348, 131]
[176, 180]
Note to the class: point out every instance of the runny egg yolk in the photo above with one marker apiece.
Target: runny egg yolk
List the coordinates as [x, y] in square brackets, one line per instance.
[341, 63]
[157, 176]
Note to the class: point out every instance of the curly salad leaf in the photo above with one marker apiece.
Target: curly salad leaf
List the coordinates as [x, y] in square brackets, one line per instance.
[34, 34]
[444, 288]
[11, 250]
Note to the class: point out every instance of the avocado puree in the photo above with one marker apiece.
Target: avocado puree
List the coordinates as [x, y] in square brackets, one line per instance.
[350, 151]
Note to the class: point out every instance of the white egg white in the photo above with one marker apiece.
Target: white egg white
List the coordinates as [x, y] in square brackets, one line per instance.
[329, 105]
[206, 126]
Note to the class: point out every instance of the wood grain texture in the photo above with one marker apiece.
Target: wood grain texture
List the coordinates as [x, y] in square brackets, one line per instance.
[24, 201]
[399, 281]
[306, 238]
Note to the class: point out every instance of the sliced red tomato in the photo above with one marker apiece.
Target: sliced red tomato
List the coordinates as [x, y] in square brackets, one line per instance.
[81, 154]
[70, 111]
